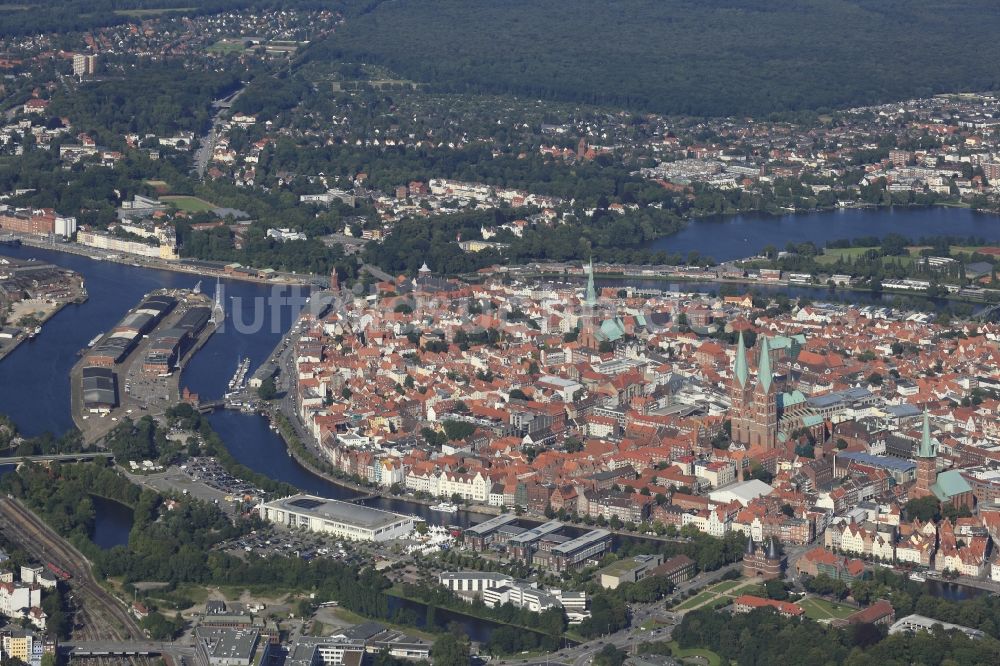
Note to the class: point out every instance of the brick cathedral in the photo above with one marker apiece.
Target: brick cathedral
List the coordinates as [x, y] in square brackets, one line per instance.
[754, 412]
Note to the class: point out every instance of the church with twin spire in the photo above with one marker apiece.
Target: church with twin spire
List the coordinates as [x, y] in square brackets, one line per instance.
[754, 411]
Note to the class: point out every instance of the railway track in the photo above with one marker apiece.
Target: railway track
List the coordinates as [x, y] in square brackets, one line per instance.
[106, 617]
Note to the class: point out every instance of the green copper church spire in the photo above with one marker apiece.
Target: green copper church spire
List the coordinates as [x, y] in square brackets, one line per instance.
[764, 374]
[740, 367]
[591, 298]
[926, 443]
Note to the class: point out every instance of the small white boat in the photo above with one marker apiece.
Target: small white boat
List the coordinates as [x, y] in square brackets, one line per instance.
[918, 577]
[94, 341]
[445, 507]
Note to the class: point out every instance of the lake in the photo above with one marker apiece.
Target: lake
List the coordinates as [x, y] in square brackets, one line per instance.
[112, 522]
[733, 237]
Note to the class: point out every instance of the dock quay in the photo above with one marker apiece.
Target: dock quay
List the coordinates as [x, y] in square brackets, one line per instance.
[134, 369]
[34, 292]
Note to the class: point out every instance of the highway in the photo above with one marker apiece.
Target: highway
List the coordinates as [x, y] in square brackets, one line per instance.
[99, 615]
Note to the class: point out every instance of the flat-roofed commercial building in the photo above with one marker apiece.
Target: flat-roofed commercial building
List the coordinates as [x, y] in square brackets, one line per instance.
[576, 551]
[479, 537]
[231, 647]
[342, 519]
[915, 623]
[100, 389]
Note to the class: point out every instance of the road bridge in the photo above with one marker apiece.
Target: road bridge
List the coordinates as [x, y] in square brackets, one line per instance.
[82, 649]
[54, 457]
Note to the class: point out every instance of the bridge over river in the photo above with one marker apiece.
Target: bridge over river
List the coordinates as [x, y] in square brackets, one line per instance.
[54, 457]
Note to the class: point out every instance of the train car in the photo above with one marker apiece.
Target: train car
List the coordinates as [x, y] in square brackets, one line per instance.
[59, 572]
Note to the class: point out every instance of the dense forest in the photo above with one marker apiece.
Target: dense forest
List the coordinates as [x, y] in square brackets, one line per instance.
[603, 236]
[162, 98]
[727, 57]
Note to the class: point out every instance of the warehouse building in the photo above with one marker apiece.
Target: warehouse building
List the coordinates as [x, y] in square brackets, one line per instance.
[194, 320]
[342, 519]
[231, 647]
[113, 349]
[100, 389]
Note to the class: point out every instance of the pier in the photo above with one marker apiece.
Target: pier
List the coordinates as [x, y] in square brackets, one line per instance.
[135, 368]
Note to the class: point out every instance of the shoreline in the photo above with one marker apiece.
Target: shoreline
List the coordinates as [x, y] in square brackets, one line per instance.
[24, 336]
[160, 264]
[94, 427]
[755, 283]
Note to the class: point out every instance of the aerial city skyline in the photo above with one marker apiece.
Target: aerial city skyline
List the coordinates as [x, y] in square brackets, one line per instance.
[623, 334]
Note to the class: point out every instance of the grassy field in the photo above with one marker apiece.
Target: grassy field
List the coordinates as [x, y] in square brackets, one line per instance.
[832, 255]
[727, 589]
[726, 585]
[712, 658]
[354, 618]
[227, 46]
[696, 600]
[189, 204]
[821, 609]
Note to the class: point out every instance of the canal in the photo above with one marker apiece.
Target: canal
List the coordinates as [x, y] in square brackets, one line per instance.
[251, 441]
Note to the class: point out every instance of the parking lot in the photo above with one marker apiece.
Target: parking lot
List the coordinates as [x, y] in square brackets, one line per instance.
[210, 472]
[307, 545]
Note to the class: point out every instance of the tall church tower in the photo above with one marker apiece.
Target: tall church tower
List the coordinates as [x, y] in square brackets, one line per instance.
[764, 429]
[926, 461]
[588, 318]
[740, 395]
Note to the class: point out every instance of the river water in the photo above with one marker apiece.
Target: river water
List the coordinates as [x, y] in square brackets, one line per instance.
[733, 237]
[34, 389]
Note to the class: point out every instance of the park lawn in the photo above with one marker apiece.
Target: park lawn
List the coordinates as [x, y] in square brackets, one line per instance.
[832, 255]
[227, 46]
[712, 658]
[726, 586]
[821, 609]
[188, 203]
[695, 601]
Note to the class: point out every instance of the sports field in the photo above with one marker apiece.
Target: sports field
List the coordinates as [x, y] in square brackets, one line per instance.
[188, 203]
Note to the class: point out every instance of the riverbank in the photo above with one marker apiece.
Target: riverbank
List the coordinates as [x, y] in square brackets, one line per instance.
[26, 335]
[39, 310]
[661, 275]
[200, 269]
